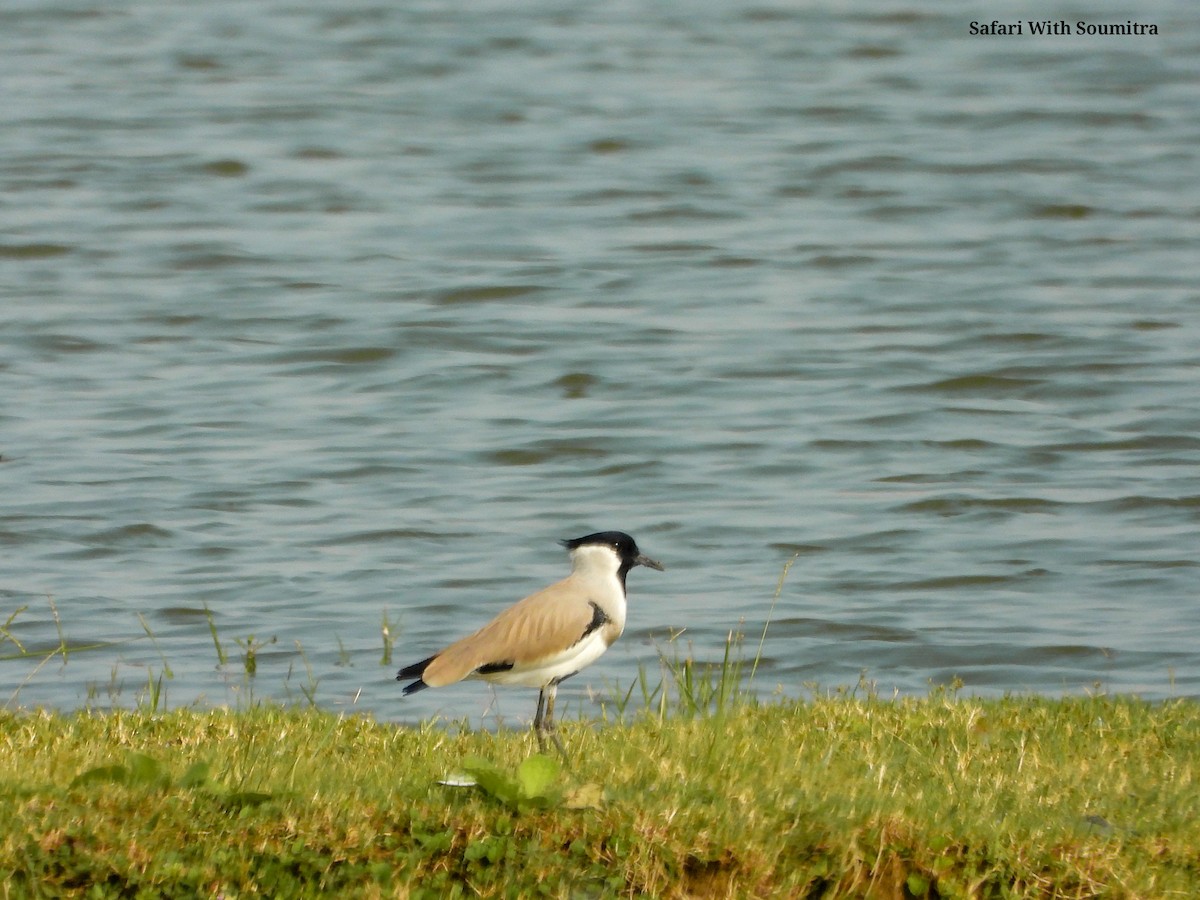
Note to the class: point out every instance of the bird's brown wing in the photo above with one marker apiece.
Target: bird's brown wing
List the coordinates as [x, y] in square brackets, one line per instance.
[539, 626]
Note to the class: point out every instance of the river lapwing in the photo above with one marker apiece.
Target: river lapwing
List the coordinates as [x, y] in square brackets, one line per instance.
[550, 635]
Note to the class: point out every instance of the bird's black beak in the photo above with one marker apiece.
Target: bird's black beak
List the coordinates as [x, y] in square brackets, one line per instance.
[643, 560]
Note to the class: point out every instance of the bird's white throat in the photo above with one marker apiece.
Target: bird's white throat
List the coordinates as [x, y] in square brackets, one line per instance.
[595, 556]
[597, 563]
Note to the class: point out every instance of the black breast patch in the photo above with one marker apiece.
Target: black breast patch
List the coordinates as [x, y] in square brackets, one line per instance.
[599, 619]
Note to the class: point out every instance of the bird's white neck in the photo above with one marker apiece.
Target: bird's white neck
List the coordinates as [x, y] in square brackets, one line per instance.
[596, 568]
[596, 562]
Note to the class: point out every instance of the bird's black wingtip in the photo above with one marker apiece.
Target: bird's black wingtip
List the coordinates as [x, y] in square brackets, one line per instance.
[416, 670]
[412, 688]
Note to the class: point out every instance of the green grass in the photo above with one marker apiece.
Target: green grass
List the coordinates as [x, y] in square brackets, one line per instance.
[683, 785]
[836, 796]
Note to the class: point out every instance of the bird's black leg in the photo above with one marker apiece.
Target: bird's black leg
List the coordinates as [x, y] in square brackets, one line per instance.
[543, 722]
[537, 719]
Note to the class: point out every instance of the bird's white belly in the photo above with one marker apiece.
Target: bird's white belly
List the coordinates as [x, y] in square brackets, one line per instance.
[541, 672]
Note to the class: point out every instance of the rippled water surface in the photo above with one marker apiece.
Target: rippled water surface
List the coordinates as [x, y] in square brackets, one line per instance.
[317, 319]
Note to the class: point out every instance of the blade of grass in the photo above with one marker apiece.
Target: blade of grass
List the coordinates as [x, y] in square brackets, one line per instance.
[62, 640]
[212, 627]
[7, 635]
[787, 567]
[150, 634]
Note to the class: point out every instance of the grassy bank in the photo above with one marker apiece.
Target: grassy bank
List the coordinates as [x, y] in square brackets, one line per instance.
[831, 797]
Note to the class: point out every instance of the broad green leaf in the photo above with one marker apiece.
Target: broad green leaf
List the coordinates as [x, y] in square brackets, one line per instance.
[145, 769]
[586, 796]
[102, 775]
[536, 775]
[245, 799]
[917, 884]
[195, 776]
[492, 780]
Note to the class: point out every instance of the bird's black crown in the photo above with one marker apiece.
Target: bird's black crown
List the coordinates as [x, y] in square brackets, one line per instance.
[625, 546]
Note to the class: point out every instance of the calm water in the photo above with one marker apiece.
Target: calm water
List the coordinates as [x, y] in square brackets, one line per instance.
[315, 317]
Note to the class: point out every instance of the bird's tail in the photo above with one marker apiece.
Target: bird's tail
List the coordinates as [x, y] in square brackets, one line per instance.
[416, 670]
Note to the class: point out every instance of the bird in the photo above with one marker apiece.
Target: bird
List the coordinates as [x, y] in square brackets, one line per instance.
[550, 635]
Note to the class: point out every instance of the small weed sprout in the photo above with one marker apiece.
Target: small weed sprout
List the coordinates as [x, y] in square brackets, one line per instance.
[250, 648]
[344, 659]
[389, 640]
